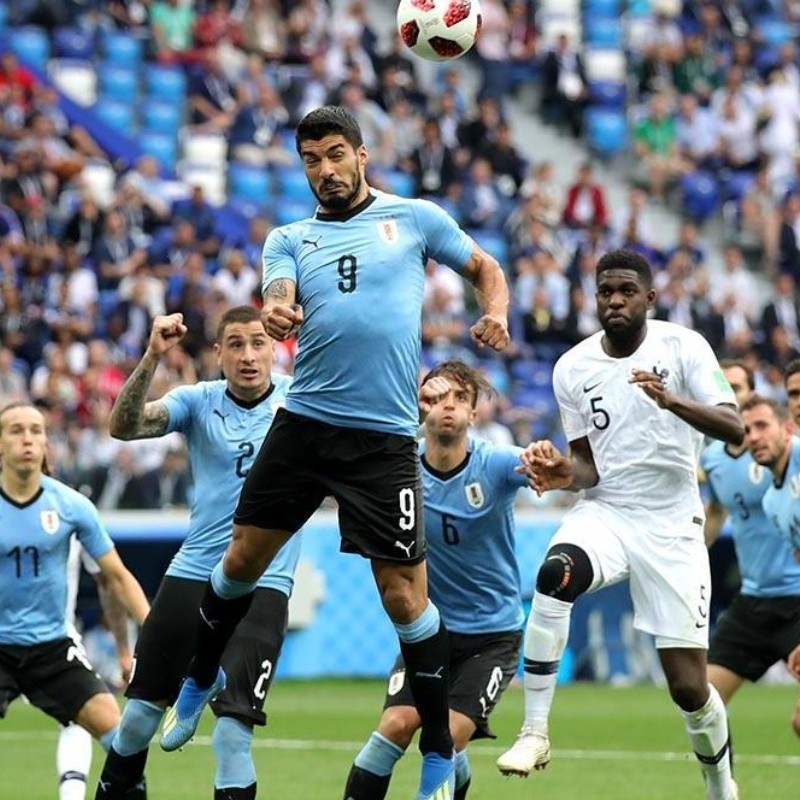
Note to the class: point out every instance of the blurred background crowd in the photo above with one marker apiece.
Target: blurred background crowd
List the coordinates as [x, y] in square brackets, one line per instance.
[146, 149]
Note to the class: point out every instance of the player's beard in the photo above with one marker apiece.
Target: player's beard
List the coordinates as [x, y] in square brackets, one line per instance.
[344, 201]
[624, 338]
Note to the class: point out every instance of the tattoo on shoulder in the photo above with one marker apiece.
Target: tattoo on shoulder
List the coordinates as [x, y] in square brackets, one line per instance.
[278, 289]
[155, 421]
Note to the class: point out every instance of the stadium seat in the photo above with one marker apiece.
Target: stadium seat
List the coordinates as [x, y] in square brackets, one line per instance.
[3, 15]
[700, 194]
[231, 223]
[606, 131]
[532, 374]
[73, 43]
[31, 46]
[118, 115]
[162, 147]
[602, 32]
[292, 184]
[608, 94]
[76, 79]
[211, 178]
[602, 8]
[118, 83]
[249, 183]
[122, 49]
[208, 149]
[398, 182]
[161, 117]
[292, 210]
[493, 243]
[735, 185]
[167, 84]
[776, 32]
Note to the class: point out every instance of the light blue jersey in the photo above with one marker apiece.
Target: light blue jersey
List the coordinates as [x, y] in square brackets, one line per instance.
[223, 435]
[473, 576]
[782, 502]
[35, 541]
[360, 279]
[766, 561]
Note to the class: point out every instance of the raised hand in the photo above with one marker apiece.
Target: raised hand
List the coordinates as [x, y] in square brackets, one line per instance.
[282, 321]
[546, 467]
[167, 331]
[492, 331]
[432, 392]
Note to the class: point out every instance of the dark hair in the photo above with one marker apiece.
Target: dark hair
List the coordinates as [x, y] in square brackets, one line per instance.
[326, 121]
[792, 368]
[464, 375]
[236, 314]
[626, 259]
[778, 409]
[735, 363]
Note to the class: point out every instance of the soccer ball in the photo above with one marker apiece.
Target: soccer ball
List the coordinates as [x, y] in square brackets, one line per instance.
[439, 30]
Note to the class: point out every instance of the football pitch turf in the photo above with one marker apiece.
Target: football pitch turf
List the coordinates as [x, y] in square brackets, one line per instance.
[608, 744]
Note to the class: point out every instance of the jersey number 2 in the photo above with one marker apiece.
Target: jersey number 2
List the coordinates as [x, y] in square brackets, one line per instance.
[247, 451]
[348, 274]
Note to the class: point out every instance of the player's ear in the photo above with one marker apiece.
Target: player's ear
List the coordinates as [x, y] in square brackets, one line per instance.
[218, 354]
[362, 155]
[651, 297]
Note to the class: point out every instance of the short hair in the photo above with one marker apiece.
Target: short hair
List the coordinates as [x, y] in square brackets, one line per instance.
[625, 259]
[464, 375]
[327, 121]
[16, 404]
[736, 363]
[778, 409]
[792, 368]
[236, 314]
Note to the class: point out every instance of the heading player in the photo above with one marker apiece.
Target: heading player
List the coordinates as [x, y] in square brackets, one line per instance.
[349, 282]
[636, 399]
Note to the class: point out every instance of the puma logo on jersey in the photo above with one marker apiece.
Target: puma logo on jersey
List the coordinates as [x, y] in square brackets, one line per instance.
[406, 548]
[219, 414]
[313, 242]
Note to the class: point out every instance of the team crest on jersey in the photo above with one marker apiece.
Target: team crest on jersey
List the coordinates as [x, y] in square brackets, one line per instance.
[387, 230]
[396, 682]
[756, 473]
[474, 494]
[50, 521]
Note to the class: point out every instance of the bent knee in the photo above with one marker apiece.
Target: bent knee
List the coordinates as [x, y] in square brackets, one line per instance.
[689, 695]
[566, 573]
[399, 724]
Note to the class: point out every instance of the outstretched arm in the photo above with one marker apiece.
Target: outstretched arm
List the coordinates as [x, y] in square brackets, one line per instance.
[282, 316]
[547, 468]
[131, 416]
[485, 274]
[123, 585]
[117, 620]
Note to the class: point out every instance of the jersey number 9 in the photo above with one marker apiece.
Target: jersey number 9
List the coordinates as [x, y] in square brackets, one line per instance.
[348, 273]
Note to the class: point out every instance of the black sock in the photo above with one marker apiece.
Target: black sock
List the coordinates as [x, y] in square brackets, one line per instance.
[363, 785]
[235, 793]
[120, 775]
[218, 621]
[139, 792]
[428, 673]
[461, 792]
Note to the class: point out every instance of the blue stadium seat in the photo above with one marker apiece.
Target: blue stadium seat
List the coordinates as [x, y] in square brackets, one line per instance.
[249, 183]
[608, 94]
[230, 223]
[119, 83]
[287, 211]
[606, 131]
[3, 15]
[735, 185]
[493, 243]
[118, 115]
[602, 32]
[73, 43]
[106, 302]
[602, 8]
[122, 49]
[700, 195]
[31, 46]
[293, 184]
[161, 117]
[160, 146]
[167, 84]
[398, 182]
[775, 32]
[639, 8]
[532, 374]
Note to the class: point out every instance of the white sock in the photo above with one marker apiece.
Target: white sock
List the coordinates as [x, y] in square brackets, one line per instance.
[545, 639]
[708, 733]
[73, 760]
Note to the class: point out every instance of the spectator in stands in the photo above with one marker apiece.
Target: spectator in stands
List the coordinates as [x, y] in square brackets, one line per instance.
[151, 289]
[656, 147]
[506, 162]
[492, 47]
[475, 131]
[236, 280]
[169, 256]
[216, 26]
[697, 71]
[308, 91]
[211, 96]
[264, 29]
[126, 485]
[174, 479]
[482, 204]
[252, 137]
[707, 317]
[788, 237]
[779, 115]
[735, 287]
[782, 310]
[16, 77]
[346, 52]
[306, 30]
[737, 135]
[759, 221]
[487, 426]
[541, 184]
[172, 26]
[13, 387]
[655, 71]
[30, 180]
[443, 328]
[83, 228]
[374, 123]
[522, 43]
[146, 178]
[439, 277]
[115, 255]
[433, 164]
[586, 202]
[687, 246]
[197, 210]
[563, 81]
[39, 229]
[537, 269]
[697, 135]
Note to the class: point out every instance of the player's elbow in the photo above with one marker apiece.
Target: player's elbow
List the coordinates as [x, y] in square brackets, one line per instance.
[118, 430]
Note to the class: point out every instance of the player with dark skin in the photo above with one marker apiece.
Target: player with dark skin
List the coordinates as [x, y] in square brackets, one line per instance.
[623, 300]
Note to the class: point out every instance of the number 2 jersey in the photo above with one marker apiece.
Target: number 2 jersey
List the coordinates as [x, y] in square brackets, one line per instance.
[35, 542]
[223, 435]
[360, 278]
[646, 456]
[473, 576]
[766, 560]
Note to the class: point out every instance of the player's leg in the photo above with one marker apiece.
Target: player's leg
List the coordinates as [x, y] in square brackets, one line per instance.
[73, 761]
[726, 682]
[249, 663]
[796, 720]
[276, 500]
[584, 554]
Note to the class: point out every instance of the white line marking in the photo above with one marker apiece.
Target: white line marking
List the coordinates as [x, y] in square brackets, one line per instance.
[490, 751]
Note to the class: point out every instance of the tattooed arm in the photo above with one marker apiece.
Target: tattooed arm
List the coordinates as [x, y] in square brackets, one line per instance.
[132, 417]
[282, 315]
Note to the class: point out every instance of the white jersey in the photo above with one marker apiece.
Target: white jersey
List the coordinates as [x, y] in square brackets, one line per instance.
[646, 457]
[77, 557]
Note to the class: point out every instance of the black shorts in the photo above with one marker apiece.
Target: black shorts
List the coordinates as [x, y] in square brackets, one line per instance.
[481, 667]
[755, 632]
[55, 676]
[373, 476]
[167, 640]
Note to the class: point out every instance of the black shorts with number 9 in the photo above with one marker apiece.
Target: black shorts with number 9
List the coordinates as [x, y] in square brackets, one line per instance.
[373, 476]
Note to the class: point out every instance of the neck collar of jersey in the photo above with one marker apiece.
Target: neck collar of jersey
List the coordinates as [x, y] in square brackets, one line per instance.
[24, 504]
[250, 403]
[451, 473]
[343, 216]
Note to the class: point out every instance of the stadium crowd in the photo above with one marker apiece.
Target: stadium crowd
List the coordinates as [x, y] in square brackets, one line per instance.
[83, 273]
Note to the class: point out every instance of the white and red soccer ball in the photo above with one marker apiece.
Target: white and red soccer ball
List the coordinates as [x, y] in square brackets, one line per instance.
[439, 30]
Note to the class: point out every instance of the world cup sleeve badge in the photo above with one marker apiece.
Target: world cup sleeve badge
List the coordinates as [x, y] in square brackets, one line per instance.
[387, 230]
[474, 494]
[50, 521]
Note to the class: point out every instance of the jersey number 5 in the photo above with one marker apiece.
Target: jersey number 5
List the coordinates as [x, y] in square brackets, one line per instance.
[348, 274]
[600, 418]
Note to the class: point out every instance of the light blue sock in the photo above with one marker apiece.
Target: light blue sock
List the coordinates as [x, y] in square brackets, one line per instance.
[423, 627]
[463, 770]
[139, 723]
[107, 738]
[233, 748]
[229, 589]
[379, 755]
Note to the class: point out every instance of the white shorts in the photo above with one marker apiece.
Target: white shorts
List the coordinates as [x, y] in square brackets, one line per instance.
[668, 567]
